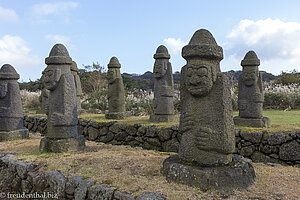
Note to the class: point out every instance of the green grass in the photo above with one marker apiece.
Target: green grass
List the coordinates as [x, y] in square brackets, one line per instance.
[144, 120]
[285, 121]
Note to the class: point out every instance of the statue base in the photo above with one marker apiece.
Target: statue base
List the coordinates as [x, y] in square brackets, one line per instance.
[238, 174]
[163, 118]
[264, 122]
[14, 135]
[117, 115]
[62, 145]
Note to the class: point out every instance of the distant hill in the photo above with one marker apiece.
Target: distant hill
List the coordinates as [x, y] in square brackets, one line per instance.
[145, 81]
[266, 77]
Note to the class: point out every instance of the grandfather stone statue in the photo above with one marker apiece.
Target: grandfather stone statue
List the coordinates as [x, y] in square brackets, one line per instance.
[62, 119]
[79, 93]
[251, 97]
[43, 97]
[116, 93]
[206, 122]
[163, 102]
[11, 115]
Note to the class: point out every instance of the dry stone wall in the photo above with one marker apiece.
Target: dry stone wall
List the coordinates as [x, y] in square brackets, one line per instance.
[23, 178]
[282, 148]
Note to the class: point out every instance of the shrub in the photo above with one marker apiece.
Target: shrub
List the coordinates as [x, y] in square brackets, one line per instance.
[139, 102]
[286, 78]
[279, 96]
[30, 99]
[95, 101]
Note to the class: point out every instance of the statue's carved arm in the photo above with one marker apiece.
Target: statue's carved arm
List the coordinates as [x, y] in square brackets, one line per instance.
[208, 139]
[258, 98]
[167, 91]
[242, 104]
[186, 123]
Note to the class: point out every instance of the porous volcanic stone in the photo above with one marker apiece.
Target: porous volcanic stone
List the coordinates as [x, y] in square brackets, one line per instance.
[206, 123]
[238, 174]
[290, 151]
[250, 96]
[79, 94]
[116, 93]
[62, 119]
[44, 97]
[14, 135]
[11, 115]
[163, 102]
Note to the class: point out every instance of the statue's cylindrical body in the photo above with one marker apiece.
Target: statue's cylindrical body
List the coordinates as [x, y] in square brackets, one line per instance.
[206, 111]
[11, 115]
[250, 96]
[44, 97]
[116, 92]
[78, 87]
[205, 156]
[163, 102]
[62, 119]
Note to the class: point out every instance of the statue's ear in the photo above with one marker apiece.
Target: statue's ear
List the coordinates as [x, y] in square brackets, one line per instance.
[3, 90]
[214, 73]
[57, 74]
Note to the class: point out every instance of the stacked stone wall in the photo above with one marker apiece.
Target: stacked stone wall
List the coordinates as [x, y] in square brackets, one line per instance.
[23, 178]
[282, 148]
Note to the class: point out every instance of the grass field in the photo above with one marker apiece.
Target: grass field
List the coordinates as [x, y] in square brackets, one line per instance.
[138, 171]
[281, 121]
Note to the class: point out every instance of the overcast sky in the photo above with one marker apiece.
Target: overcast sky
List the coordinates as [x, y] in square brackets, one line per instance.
[131, 30]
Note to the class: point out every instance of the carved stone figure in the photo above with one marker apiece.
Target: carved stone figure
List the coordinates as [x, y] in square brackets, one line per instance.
[44, 97]
[206, 123]
[250, 96]
[79, 93]
[62, 119]
[163, 102]
[116, 93]
[11, 115]
[206, 110]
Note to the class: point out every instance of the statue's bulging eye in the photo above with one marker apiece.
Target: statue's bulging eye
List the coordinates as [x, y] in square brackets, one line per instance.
[190, 72]
[202, 71]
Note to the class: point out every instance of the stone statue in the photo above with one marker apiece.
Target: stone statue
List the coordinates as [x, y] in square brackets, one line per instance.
[116, 93]
[206, 123]
[79, 93]
[11, 115]
[251, 97]
[163, 102]
[62, 119]
[206, 111]
[43, 97]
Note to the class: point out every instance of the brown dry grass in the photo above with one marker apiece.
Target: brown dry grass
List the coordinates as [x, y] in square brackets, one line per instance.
[138, 171]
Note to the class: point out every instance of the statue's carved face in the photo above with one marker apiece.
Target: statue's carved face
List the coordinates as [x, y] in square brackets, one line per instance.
[111, 75]
[3, 90]
[51, 78]
[249, 76]
[199, 80]
[160, 67]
